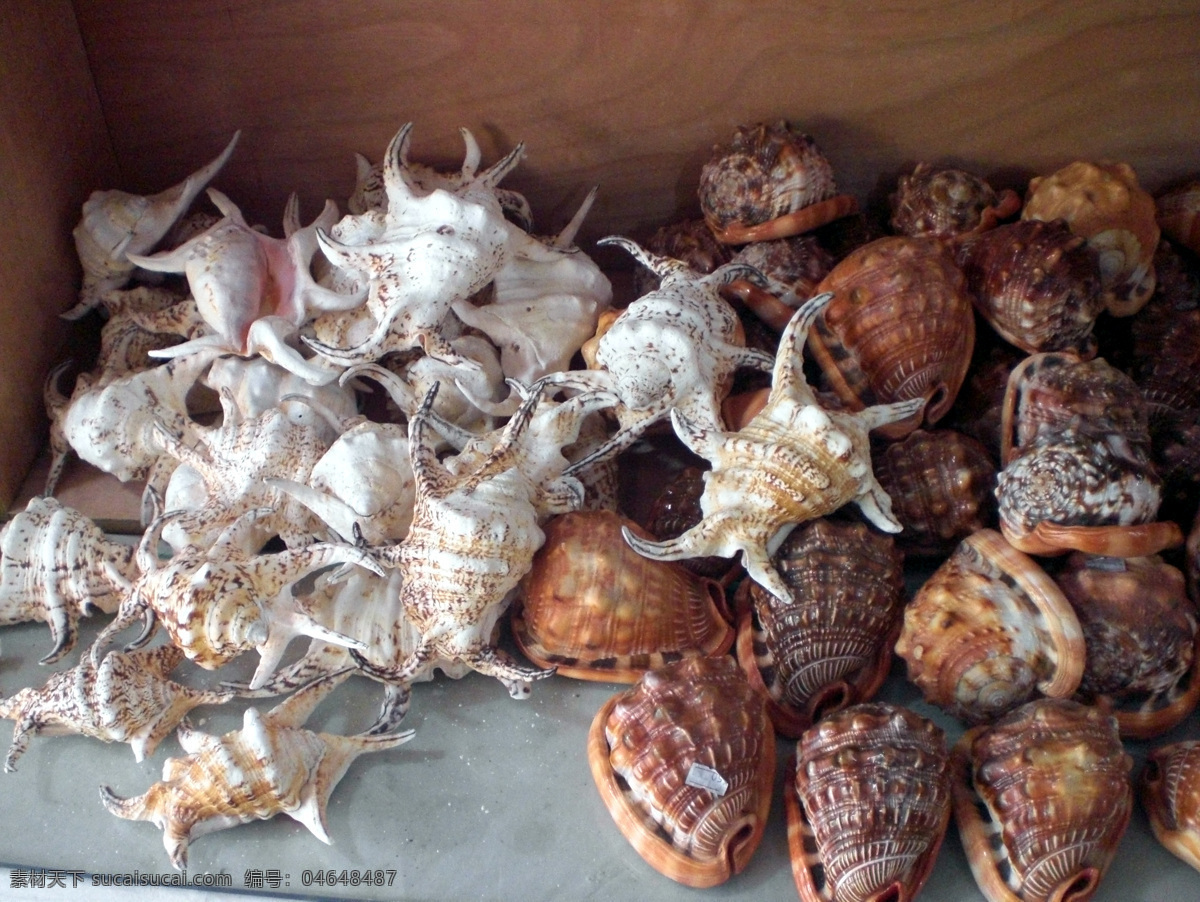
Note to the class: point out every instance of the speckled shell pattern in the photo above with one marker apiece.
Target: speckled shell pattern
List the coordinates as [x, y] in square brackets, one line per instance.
[869, 805]
[689, 241]
[675, 510]
[1178, 214]
[944, 202]
[830, 645]
[942, 485]
[1169, 789]
[988, 631]
[1036, 283]
[700, 711]
[1042, 798]
[900, 326]
[595, 609]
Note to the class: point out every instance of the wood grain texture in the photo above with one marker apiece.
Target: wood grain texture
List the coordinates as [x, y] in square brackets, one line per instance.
[53, 151]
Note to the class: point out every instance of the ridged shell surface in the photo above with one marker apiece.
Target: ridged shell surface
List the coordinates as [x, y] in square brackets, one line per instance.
[869, 805]
[1169, 789]
[942, 202]
[1178, 212]
[675, 510]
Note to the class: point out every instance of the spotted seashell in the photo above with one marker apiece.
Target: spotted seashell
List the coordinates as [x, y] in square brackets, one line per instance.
[597, 610]
[770, 176]
[944, 202]
[1169, 788]
[793, 268]
[900, 326]
[1140, 630]
[988, 631]
[868, 806]
[1178, 213]
[830, 645]
[675, 510]
[1104, 203]
[941, 483]
[1041, 799]
[1036, 283]
[690, 241]
[685, 763]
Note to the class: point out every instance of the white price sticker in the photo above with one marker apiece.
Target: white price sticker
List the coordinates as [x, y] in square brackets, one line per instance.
[704, 777]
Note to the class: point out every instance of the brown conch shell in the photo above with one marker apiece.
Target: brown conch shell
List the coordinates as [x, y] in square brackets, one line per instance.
[900, 326]
[691, 242]
[1036, 283]
[830, 645]
[988, 631]
[944, 202]
[1140, 630]
[868, 806]
[1042, 798]
[1179, 214]
[685, 763]
[676, 509]
[941, 483]
[1104, 203]
[1169, 788]
[597, 610]
[793, 268]
[771, 181]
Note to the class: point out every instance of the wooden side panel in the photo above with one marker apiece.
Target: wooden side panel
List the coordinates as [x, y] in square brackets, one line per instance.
[632, 96]
[53, 151]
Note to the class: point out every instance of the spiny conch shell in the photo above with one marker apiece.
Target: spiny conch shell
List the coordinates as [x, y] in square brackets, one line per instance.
[1036, 283]
[132, 329]
[675, 510]
[942, 486]
[56, 564]
[1042, 798]
[793, 268]
[988, 631]
[685, 762]
[675, 348]
[868, 805]
[794, 461]
[691, 242]
[271, 766]
[771, 181]
[116, 224]
[1104, 203]
[830, 645]
[900, 326]
[1140, 630]
[1169, 788]
[1178, 213]
[127, 698]
[594, 609]
[944, 202]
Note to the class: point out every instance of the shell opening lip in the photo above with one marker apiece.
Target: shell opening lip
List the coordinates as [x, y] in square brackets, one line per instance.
[1079, 888]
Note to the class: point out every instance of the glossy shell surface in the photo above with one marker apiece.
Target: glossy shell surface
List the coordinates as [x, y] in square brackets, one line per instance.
[1169, 789]
[944, 202]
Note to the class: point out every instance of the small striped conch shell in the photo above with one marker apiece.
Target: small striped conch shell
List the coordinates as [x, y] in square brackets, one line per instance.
[830, 645]
[127, 698]
[1042, 798]
[868, 805]
[1169, 789]
[988, 631]
[116, 224]
[1179, 214]
[685, 763]
[271, 766]
[1104, 203]
[594, 609]
[944, 202]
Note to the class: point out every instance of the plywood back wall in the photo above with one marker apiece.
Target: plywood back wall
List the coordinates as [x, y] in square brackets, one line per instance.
[632, 95]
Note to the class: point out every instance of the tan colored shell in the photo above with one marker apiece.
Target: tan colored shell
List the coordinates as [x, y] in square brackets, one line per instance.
[645, 742]
[1178, 213]
[1036, 283]
[942, 485]
[595, 609]
[868, 805]
[271, 766]
[1041, 799]
[1169, 789]
[830, 645]
[1140, 630]
[988, 631]
[128, 698]
[1104, 203]
[944, 202]
[900, 326]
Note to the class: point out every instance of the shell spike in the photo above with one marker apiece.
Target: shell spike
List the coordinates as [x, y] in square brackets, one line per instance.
[397, 181]
[788, 375]
[471, 156]
[663, 267]
[876, 506]
[566, 237]
[884, 414]
[494, 174]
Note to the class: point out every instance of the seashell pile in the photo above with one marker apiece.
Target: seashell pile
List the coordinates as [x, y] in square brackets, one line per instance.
[374, 432]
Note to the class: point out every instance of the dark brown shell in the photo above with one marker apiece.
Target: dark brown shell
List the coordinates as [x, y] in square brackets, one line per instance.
[868, 806]
[646, 742]
[595, 609]
[1169, 787]
[675, 510]
[799, 263]
[944, 202]
[1178, 213]
[1042, 798]
[900, 326]
[690, 241]
[1166, 339]
[1140, 631]
[942, 485]
[831, 646]
[1036, 283]
[977, 411]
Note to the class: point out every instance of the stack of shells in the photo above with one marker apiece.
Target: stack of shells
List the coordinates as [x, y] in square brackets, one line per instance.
[958, 401]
